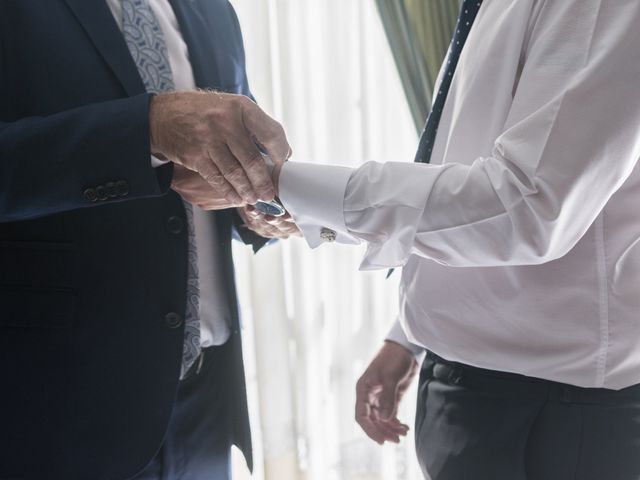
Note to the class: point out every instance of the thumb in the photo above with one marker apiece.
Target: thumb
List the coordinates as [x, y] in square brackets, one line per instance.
[388, 399]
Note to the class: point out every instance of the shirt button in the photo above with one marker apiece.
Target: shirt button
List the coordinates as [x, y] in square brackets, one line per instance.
[173, 320]
[90, 195]
[175, 225]
[122, 187]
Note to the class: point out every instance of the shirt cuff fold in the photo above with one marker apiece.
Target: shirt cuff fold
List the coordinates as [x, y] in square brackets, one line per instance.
[314, 196]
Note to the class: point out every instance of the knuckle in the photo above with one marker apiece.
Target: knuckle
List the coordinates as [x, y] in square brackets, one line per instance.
[233, 171]
[218, 116]
[244, 101]
[241, 187]
[201, 130]
[276, 131]
[230, 196]
[235, 103]
[214, 178]
[254, 161]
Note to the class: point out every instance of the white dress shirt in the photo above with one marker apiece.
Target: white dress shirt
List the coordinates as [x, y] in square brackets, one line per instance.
[214, 306]
[521, 242]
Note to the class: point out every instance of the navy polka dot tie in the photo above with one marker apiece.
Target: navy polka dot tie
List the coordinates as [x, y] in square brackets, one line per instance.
[468, 14]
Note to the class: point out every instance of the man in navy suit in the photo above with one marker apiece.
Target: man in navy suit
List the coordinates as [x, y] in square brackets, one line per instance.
[98, 249]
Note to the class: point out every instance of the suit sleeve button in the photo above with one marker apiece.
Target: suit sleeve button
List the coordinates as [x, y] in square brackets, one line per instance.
[122, 188]
[173, 320]
[112, 190]
[90, 195]
[101, 193]
[175, 225]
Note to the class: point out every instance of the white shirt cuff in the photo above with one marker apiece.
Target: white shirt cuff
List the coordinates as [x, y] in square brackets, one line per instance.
[397, 335]
[314, 196]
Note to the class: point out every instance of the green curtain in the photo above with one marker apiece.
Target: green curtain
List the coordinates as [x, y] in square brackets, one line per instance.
[419, 32]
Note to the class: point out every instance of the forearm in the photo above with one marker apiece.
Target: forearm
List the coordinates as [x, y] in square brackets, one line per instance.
[569, 143]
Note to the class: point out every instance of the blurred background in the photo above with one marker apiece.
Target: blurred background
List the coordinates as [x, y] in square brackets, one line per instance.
[351, 82]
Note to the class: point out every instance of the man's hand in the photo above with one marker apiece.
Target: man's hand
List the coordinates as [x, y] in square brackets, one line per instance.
[215, 134]
[275, 176]
[379, 391]
[268, 226]
[197, 191]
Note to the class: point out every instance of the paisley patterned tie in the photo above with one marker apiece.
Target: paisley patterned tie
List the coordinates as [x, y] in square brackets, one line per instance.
[145, 40]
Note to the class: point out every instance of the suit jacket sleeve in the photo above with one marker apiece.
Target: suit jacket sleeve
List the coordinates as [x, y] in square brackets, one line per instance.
[48, 163]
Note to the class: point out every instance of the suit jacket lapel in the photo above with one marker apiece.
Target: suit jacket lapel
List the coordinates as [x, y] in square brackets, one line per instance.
[98, 22]
[199, 39]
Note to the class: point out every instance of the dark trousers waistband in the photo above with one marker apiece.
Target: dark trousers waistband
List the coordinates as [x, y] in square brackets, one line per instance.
[455, 373]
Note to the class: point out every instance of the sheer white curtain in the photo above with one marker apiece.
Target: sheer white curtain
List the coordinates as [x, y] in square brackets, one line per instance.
[312, 321]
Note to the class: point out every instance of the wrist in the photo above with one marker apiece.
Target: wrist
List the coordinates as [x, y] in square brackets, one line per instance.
[156, 113]
[397, 349]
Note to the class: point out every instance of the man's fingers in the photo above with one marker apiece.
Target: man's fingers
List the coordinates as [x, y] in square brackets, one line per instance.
[366, 394]
[218, 205]
[266, 131]
[390, 434]
[210, 173]
[289, 229]
[388, 400]
[393, 429]
[267, 225]
[263, 228]
[254, 166]
[363, 417]
[397, 425]
[282, 223]
[233, 173]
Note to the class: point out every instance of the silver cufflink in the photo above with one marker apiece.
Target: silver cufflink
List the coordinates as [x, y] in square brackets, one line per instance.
[328, 235]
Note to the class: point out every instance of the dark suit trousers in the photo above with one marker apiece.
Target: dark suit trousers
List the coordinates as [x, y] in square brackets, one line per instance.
[197, 445]
[475, 424]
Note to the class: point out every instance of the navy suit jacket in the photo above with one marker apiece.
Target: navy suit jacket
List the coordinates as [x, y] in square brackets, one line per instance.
[92, 242]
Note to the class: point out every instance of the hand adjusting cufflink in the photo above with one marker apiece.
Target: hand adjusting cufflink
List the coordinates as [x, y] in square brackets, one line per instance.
[274, 207]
